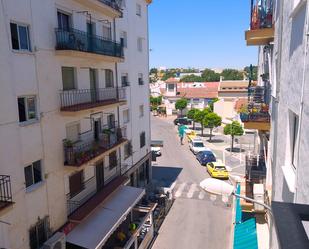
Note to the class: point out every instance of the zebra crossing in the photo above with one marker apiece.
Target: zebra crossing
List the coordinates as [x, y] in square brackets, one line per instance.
[190, 190]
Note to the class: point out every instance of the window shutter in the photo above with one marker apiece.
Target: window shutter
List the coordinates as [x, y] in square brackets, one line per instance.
[76, 183]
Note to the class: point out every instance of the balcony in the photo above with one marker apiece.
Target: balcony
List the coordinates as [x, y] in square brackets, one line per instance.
[110, 8]
[91, 146]
[261, 26]
[91, 188]
[83, 99]
[80, 44]
[255, 115]
[5, 192]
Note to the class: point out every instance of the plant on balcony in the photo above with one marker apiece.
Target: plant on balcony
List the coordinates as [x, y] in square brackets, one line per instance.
[107, 131]
[68, 143]
[244, 113]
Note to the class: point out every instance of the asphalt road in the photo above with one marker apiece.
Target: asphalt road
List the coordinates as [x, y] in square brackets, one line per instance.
[196, 220]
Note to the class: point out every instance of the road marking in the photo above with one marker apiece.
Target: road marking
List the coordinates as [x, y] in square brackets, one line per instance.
[180, 189]
[191, 190]
[201, 195]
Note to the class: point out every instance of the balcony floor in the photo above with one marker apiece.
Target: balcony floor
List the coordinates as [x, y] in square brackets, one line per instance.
[85, 106]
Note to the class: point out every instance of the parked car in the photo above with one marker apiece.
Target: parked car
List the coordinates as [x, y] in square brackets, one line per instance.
[217, 170]
[196, 145]
[190, 134]
[182, 121]
[205, 157]
[156, 151]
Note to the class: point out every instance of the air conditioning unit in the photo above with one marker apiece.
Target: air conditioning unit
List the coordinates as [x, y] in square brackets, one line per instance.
[258, 194]
[57, 241]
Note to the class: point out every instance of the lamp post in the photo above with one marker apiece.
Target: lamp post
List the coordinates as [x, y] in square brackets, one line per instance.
[219, 187]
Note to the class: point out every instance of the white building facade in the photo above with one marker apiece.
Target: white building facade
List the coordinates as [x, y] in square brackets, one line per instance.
[75, 114]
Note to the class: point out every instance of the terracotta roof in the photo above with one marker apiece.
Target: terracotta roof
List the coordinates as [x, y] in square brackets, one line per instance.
[239, 103]
[190, 93]
[233, 85]
[172, 80]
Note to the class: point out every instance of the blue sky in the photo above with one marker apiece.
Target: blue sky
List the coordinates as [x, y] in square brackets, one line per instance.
[200, 33]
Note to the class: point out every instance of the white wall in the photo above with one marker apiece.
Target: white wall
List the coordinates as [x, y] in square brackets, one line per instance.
[39, 73]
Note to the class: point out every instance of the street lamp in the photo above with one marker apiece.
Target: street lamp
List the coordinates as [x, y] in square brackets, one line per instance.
[219, 187]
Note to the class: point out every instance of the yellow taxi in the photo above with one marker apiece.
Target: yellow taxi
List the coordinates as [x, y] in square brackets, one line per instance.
[217, 170]
[191, 135]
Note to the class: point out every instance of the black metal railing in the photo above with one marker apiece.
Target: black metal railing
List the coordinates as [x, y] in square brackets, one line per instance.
[91, 146]
[113, 4]
[80, 99]
[255, 167]
[261, 14]
[73, 39]
[90, 188]
[5, 190]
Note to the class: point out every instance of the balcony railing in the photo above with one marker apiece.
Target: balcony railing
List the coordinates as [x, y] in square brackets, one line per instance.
[261, 14]
[81, 99]
[261, 24]
[89, 147]
[113, 4]
[89, 189]
[255, 167]
[73, 39]
[5, 191]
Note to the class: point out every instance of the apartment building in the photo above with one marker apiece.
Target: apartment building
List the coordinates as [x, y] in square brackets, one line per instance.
[75, 125]
[280, 29]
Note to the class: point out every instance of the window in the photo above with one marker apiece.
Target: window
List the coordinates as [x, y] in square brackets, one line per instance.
[138, 10]
[140, 79]
[64, 21]
[124, 39]
[142, 139]
[126, 116]
[38, 233]
[294, 139]
[170, 87]
[127, 150]
[141, 111]
[72, 132]
[76, 183]
[68, 78]
[112, 160]
[124, 80]
[107, 32]
[33, 173]
[27, 108]
[109, 79]
[20, 37]
[140, 44]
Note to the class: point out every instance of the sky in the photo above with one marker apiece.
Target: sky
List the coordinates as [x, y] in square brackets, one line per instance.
[200, 34]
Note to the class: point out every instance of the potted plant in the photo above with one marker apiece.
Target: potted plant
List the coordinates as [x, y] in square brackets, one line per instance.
[244, 113]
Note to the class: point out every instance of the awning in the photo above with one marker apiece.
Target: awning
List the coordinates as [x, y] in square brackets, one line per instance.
[93, 232]
[156, 143]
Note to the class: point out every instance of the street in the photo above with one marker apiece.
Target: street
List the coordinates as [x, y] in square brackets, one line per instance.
[196, 220]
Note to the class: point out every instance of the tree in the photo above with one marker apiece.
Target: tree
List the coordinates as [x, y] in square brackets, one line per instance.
[233, 129]
[211, 103]
[199, 117]
[191, 114]
[192, 78]
[211, 121]
[153, 71]
[254, 72]
[232, 74]
[181, 104]
[210, 75]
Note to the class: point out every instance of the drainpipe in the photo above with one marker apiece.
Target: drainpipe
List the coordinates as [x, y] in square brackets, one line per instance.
[117, 94]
